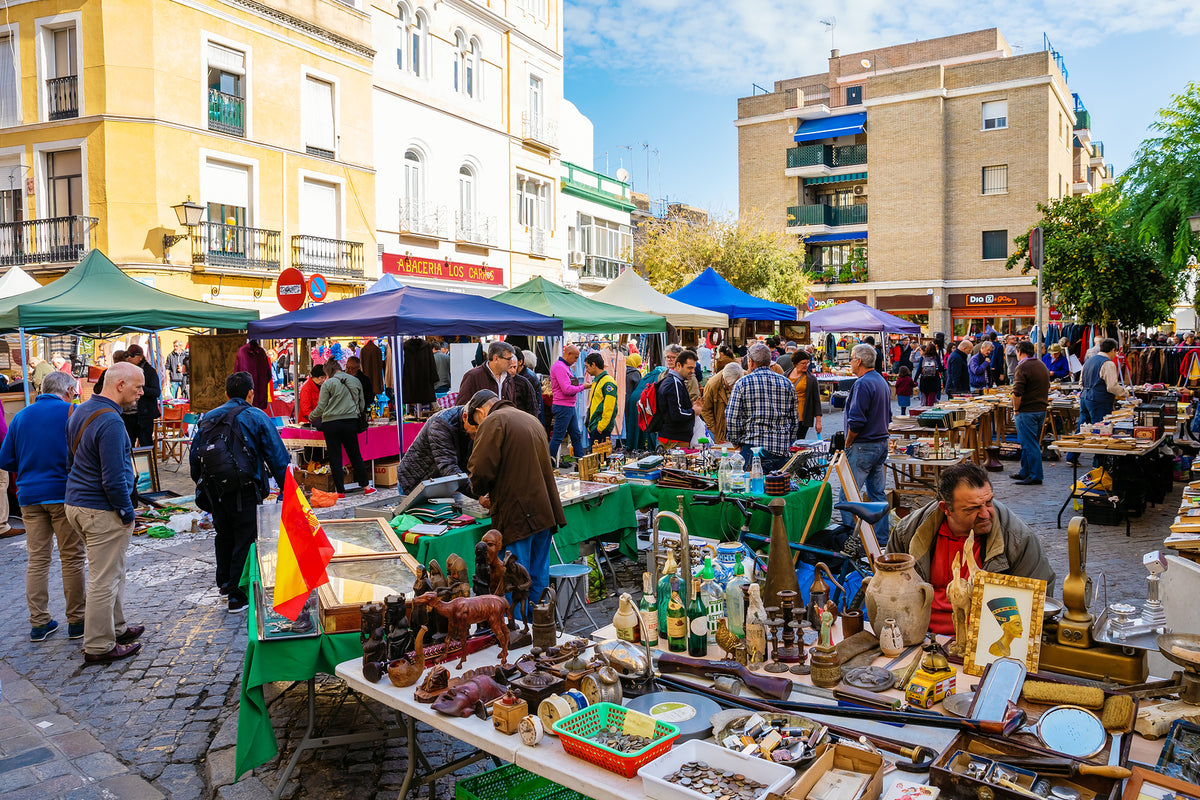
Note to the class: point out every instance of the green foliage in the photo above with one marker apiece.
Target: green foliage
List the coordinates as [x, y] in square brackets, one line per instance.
[748, 253]
[1096, 269]
[1161, 188]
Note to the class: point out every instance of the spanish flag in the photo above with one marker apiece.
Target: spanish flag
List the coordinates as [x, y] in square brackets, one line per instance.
[304, 552]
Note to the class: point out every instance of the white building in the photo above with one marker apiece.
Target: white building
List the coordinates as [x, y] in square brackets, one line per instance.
[466, 103]
[593, 209]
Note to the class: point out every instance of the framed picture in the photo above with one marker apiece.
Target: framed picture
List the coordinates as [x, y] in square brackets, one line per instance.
[1145, 784]
[798, 331]
[145, 470]
[1180, 757]
[1005, 621]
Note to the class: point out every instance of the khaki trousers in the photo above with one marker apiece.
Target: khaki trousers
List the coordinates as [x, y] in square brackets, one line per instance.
[4, 478]
[107, 542]
[44, 523]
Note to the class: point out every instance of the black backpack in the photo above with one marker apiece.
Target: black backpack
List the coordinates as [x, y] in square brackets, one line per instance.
[226, 463]
[929, 367]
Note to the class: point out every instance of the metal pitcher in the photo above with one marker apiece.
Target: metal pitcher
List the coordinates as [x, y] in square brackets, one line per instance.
[545, 630]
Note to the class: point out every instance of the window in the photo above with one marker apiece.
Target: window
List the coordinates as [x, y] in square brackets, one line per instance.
[10, 95]
[995, 115]
[535, 7]
[226, 90]
[1060, 185]
[61, 81]
[464, 67]
[995, 245]
[64, 183]
[1060, 125]
[414, 188]
[535, 103]
[466, 195]
[534, 206]
[403, 18]
[320, 219]
[471, 60]
[226, 190]
[995, 179]
[320, 138]
[417, 32]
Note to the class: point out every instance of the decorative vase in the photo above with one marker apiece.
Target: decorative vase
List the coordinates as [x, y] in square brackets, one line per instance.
[725, 564]
[891, 641]
[896, 592]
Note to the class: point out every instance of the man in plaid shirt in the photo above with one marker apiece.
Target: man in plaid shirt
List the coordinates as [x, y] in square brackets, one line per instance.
[762, 412]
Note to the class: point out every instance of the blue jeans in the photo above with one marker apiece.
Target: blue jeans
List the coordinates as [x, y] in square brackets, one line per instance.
[1029, 433]
[770, 462]
[533, 553]
[867, 461]
[564, 424]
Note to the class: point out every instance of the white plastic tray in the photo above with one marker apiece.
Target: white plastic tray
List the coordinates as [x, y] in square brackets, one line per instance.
[777, 777]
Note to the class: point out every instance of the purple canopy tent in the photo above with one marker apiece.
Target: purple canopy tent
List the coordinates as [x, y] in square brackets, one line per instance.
[856, 317]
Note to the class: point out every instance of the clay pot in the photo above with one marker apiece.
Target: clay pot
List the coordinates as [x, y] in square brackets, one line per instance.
[896, 592]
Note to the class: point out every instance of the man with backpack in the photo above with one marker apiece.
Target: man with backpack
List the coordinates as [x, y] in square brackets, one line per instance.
[232, 445]
[674, 406]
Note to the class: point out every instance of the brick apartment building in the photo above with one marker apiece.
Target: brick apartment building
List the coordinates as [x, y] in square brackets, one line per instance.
[909, 170]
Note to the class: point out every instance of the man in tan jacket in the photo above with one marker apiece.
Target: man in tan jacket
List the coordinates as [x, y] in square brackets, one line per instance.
[716, 397]
[512, 476]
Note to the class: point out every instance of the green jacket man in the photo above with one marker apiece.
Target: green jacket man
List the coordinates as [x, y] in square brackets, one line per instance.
[602, 399]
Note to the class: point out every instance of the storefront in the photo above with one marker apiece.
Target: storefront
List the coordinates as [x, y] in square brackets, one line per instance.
[1003, 312]
[444, 274]
[911, 307]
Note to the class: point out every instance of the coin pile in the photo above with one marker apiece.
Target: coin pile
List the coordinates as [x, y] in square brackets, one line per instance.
[612, 738]
[720, 784]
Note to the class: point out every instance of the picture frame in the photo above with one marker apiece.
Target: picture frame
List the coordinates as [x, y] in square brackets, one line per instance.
[1145, 784]
[1181, 747]
[841, 467]
[1005, 621]
[145, 470]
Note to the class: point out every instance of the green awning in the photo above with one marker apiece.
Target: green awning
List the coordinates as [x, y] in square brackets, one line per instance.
[853, 176]
[97, 297]
[578, 313]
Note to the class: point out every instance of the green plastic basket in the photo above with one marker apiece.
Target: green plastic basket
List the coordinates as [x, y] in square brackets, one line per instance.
[511, 782]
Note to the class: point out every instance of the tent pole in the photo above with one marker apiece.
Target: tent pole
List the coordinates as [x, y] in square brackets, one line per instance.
[295, 380]
[398, 390]
[25, 364]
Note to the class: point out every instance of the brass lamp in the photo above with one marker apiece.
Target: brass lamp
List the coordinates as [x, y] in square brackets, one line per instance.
[190, 214]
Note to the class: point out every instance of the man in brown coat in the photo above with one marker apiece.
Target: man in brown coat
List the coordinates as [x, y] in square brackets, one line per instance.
[716, 398]
[511, 460]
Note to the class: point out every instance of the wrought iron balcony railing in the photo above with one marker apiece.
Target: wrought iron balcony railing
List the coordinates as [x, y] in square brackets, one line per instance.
[328, 256]
[57, 240]
[226, 113]
[215, 244]
[62, 94]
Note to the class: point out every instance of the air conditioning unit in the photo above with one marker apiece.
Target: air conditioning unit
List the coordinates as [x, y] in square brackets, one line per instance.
[575, 259]
[860, 189]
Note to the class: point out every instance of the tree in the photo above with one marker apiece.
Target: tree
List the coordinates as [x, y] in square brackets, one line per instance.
[758, 259]
[1096, 269]
[1161, 188]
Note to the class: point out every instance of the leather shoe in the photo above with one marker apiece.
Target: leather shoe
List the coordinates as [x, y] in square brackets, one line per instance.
[118, 652]
[1029, 482]
[131, 634]
[1016, 476]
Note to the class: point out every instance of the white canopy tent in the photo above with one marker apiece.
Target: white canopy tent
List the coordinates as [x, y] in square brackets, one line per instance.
[631, 291]
[17, 281]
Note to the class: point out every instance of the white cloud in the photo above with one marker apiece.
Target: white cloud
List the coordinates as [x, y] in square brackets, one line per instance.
[727, 45]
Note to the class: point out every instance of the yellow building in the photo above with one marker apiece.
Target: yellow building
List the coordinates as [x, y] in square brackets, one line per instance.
[114, 112]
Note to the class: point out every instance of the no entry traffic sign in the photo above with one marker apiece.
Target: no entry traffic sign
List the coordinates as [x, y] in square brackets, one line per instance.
[318, 287]
[290, 289]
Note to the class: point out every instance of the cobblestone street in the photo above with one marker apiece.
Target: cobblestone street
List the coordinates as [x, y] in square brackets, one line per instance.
[163, 723]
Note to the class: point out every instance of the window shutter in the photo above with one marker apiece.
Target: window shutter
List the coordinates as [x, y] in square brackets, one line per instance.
[318, 114]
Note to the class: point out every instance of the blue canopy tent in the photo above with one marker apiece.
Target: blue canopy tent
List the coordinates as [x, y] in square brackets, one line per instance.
[386, 283]
[709, 290]
[855, 317]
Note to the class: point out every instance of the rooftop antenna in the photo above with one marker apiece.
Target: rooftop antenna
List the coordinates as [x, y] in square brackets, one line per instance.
[629, 147]
[830, 23]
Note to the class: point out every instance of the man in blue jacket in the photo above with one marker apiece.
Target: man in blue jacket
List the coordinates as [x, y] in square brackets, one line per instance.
[229, 465]
[868, 413]
[957, 379]
[99, 503]
[36, 447]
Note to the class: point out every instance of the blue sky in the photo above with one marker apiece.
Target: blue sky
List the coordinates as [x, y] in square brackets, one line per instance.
[668, 73]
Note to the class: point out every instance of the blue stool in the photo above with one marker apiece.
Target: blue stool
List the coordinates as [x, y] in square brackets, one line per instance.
[566, 579]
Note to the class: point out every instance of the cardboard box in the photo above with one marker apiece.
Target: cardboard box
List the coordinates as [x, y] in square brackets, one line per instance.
[315, 480]
[840, 756]
[385, 472]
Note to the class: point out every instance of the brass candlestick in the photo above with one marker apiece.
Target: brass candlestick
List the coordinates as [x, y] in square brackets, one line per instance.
[791, 653]
[776, 625]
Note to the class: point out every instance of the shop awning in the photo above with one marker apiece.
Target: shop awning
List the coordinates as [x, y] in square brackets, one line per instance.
[848, 236]
[831, 127]
[853, 176]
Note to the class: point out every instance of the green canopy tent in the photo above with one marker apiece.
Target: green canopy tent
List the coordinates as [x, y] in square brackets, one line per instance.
[96, 298]
[578, 313]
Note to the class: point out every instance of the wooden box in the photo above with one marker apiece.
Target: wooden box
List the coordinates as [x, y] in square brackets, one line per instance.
[957, 786]
[385, 473]
[315, 480]
[355, 581]
[841, 756]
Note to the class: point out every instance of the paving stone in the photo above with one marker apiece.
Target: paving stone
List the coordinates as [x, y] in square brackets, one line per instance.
[220, 767]
[53, 769]
[131, 787]
[181, 782]
[226, 734]
[34, 708]
[99, 765]
[26, 740]
[250, 788]
[58, 725]
[77, 743]
[17, 778]
[51, 788]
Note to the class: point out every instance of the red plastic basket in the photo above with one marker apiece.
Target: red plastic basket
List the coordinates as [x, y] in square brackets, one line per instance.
[572, 731]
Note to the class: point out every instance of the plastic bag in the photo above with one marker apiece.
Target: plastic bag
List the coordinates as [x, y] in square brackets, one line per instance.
[322, 499]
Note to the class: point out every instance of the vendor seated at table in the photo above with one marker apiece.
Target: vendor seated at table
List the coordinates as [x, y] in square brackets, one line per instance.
[933, 535]
[444, 444]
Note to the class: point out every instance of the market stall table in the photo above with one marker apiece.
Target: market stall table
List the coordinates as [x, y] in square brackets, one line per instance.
[378, 441]
[1139, 448]
[919, 476]
[721, 522]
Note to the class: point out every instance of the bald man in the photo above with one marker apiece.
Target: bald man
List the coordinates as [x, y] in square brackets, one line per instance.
[99, 504]
[564, 386]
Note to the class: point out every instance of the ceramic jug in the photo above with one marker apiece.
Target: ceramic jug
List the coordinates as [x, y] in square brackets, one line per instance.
[896, 592]
[725, 564]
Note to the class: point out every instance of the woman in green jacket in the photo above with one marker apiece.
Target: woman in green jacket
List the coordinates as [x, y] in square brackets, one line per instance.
[338, 408]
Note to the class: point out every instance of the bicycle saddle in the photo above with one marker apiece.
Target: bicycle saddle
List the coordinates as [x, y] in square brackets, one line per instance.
[869, 513]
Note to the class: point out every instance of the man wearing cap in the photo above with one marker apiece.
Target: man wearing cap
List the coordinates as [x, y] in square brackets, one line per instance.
[444, 444]
[1058, 364]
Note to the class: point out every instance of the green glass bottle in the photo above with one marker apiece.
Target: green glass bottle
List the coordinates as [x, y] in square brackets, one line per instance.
[648, 609]
[666, 585]
[677, 627]
[697, 614]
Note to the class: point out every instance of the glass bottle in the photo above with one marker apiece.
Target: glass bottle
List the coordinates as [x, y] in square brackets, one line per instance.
[757, 484]
[735, 602]
[626, 620]
[756, 625]
[697, 619]
[714, 598]
[737, 478]
[665, 587]
[724, 475]
[677, 627]
[648, 609]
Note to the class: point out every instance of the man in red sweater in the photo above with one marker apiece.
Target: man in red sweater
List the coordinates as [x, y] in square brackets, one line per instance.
[310, 391]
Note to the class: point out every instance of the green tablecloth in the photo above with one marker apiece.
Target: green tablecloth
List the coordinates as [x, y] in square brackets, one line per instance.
[723, 522]
[281, 660]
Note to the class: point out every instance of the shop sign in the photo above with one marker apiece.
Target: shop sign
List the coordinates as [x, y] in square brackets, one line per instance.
[996, 300]
[442, 270]
[818, 303]
[991, 300]
[290, 289]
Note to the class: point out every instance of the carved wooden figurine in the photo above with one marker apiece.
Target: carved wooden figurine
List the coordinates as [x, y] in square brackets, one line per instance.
[438, 627]
[481, 583]
[494, 542]
[457, 577]
[419, 615]
[518, 583]
[463, 612]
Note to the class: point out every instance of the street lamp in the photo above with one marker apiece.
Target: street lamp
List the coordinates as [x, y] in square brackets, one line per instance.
[190, 214]
[1194, 223]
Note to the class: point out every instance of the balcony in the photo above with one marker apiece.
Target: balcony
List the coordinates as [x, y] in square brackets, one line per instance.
[475, 229]
[226, 113]
[815, 160]
[422, 219]
[62, 97]
[538, 238]
[539, 133]
[330, 257]
[818, 217]
[594, 186]
[598, 270]
[235, 248]
[1097, 154]
[838, 273]
[58, 240]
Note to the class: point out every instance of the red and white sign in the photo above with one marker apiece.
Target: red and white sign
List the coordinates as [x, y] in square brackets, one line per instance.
[291, 289]
[318, 287]
[444, 270]
[1055, 313]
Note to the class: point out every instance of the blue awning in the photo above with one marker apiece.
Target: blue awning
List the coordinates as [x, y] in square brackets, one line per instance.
[825, 238]
[844, 125]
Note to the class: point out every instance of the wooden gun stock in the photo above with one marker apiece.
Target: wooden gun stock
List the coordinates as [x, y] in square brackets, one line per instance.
[767, 686]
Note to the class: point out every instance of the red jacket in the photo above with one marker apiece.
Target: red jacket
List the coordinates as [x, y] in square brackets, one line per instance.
[309, 393]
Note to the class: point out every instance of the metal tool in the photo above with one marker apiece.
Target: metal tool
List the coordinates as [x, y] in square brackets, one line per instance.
[1063, 768]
